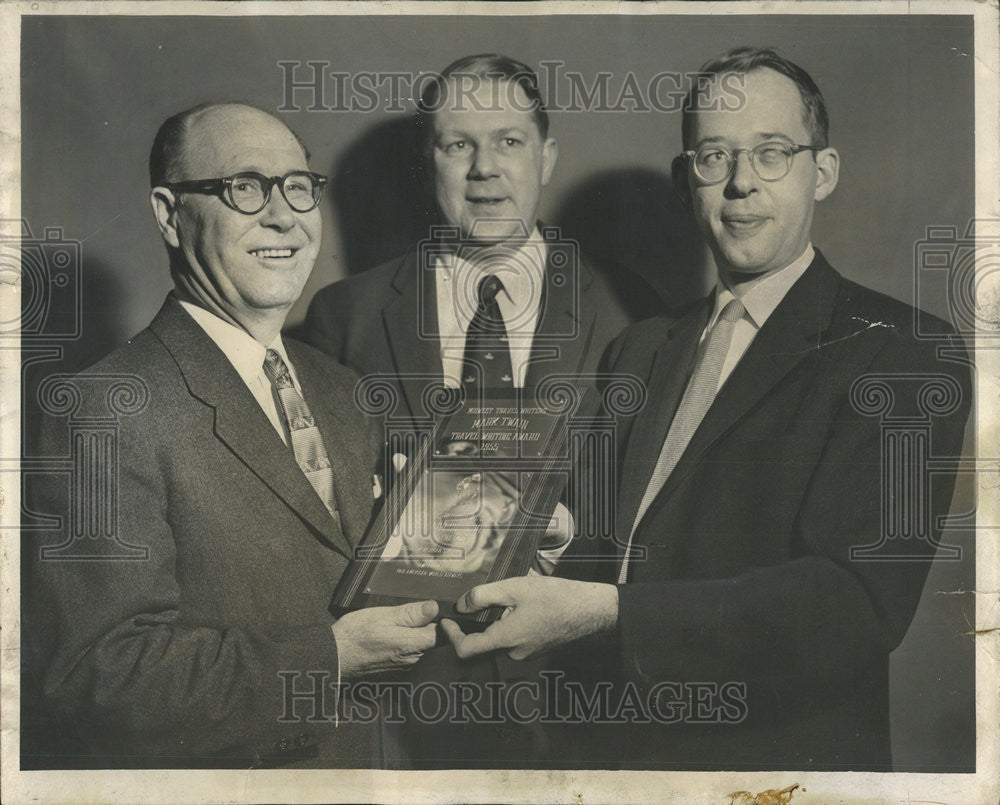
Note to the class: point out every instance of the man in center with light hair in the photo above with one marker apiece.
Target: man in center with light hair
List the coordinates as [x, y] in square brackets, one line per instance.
[488, 154]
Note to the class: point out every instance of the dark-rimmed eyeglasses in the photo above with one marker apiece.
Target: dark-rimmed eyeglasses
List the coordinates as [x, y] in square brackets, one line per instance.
[771, 161]
[249, 192]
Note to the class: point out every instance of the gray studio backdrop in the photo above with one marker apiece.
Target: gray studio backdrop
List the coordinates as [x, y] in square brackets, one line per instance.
[899, 92]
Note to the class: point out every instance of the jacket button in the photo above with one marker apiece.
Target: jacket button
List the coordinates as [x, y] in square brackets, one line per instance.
[282, 745]
[301, 741]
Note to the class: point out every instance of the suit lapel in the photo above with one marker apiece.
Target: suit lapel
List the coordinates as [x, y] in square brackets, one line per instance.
[346, 446]
[787, 337]
[239, 421]
[410, 320]
[565, 328]
[666, 381]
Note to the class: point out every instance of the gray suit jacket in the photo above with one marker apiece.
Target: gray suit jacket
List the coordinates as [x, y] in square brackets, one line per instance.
[183, 658]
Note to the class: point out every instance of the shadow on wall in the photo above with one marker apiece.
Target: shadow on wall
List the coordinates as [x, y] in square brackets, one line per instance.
[632, 220]
[379, 196]
[627, 221]
[67, 326]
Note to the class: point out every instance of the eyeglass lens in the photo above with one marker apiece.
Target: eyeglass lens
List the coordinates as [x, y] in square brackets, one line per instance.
[250, 192]
[770, 160]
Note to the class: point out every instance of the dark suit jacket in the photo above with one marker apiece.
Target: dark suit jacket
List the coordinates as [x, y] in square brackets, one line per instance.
[384, 320]
[747, 575]
[174, 660]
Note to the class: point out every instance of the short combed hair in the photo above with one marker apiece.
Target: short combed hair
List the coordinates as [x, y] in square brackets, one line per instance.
[485, 66]
[166, 155]
[743, 60]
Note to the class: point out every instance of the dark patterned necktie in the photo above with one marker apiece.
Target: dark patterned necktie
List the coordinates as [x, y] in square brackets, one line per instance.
[307, 442]
[487, 353]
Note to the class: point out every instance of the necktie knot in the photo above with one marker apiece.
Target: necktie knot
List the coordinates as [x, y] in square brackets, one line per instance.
[733, 311]
[487, 355]
[489, 287]
[277, 370]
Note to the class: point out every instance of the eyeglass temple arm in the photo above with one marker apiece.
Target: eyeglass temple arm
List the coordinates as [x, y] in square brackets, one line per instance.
[195, 184]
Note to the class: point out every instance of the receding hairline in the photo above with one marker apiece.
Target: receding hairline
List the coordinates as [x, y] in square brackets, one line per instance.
[806, 115]
[747, 60]
[171, 144]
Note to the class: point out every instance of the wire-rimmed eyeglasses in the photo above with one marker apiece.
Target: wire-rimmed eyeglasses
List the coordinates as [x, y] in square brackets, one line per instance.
[771, 161]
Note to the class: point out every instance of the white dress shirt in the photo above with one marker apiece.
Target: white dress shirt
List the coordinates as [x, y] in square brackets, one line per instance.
[246, 354]
[760, 300]
[522, 272]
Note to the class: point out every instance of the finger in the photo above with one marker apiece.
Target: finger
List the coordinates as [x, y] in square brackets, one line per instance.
[426, 637]
[416, 613]
[481, 642]
[413, 642]
[520, 653]
[452, 630]
[485, 595]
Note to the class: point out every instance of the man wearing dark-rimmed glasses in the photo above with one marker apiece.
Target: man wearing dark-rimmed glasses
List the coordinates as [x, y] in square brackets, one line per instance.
[244, 481]
[768, 557]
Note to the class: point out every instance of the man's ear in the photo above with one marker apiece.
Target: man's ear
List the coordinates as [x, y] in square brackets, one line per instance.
[164, 204]
[679, 174]
[827, 172]
[550, 154]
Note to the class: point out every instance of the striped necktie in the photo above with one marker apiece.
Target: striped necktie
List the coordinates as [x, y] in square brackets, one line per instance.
[697, 399]
[307, 442]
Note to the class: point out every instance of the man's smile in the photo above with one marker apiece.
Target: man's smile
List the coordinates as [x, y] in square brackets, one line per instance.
[270, 254]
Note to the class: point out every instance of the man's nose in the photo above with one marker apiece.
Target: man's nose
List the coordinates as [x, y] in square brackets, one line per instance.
[277, 214]
[743, 178]
[484, 164]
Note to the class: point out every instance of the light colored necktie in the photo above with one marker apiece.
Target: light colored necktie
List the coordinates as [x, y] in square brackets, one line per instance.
[307, 442]
[697, 399]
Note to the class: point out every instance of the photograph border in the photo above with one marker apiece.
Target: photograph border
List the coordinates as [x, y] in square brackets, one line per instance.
[514, 786]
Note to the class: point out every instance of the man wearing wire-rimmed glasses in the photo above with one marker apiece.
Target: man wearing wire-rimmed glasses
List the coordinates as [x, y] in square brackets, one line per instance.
[749, 603]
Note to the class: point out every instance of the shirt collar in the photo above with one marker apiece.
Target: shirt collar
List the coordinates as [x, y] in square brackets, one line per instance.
[761, 299]
[244, 352]
[522, 271]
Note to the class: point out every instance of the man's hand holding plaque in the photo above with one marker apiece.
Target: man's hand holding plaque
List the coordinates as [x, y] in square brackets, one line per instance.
[540, 614]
